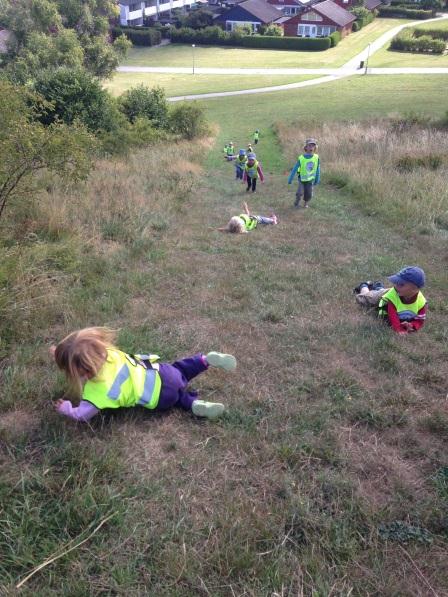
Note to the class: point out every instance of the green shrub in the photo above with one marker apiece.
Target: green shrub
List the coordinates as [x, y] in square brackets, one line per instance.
[434, 33]
[398, 12]
[217, 36]
[405, 42]
[147, 103]
[408, 163]
[335, 38]
[188, 120]
[76, 96]
[356, 26]
[139, 36]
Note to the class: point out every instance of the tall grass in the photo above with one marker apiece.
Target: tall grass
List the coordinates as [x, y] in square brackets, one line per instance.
[393, 168]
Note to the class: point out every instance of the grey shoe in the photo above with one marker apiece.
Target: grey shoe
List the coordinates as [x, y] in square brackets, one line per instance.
[208, 410]
[221, 360]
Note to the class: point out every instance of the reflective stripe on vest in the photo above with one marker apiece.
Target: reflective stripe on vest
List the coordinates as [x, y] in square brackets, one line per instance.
[123, 381]
[308, 167]
[405, 312]
[249, 221]
[252, 171]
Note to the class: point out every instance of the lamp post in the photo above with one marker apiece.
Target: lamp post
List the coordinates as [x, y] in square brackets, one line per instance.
[192, 49]
[367, 59]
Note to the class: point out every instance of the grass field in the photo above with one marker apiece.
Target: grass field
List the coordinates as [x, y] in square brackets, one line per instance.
[180, 55]
[188, 84]
[328, 475]
[386, 57]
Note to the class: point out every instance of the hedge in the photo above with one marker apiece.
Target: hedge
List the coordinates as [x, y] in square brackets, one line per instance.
[335, 38]
[424, 44]
[219, 37]
[434, 33]
[398, 12]
[356, 26]
[139, 36]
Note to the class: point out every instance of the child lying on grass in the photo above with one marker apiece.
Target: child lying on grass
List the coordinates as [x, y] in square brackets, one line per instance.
[246, 222]
[105, 377]
[403, 306]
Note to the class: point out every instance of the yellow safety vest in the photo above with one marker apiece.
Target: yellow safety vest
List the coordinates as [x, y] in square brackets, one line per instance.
[405, 312]
[252, 171]
[124, 381]
[241, 163]
[249, 221]
[308, 167]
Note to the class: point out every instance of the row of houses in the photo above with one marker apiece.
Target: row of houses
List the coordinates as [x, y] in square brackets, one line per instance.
[302, 18]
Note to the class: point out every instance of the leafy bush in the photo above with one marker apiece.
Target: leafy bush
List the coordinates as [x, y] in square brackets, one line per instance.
[271, 30]
[405, 42]
[196, 19]
[356, 26]
[188, 120]
[147, 103]
[216, 36]
[398, 12]
[77, 96]
[139, 36]
[335, 38]
[434, 33]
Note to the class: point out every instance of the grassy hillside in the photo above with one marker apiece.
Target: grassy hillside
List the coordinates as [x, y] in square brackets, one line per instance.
[328, 473]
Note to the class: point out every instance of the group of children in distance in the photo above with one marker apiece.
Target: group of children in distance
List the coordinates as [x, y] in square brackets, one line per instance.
[104, 377]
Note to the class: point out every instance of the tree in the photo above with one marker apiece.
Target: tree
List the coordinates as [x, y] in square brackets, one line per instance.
[49, 24]
[27, 146]
[196, 19]
[143, 102]
[74, 95]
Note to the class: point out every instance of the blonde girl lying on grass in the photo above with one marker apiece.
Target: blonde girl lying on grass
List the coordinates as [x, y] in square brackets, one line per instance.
[105, 377]
[246, 222]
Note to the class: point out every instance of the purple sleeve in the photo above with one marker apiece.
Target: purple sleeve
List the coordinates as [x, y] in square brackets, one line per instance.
[84, 412]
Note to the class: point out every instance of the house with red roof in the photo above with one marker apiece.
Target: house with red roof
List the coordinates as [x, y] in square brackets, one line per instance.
[320, 20]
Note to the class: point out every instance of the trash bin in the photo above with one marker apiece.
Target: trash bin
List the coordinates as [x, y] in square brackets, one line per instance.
[361, 64]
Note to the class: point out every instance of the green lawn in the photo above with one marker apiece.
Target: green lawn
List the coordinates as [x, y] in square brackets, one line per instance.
[185, 84]
[209, 57]
[386, 57]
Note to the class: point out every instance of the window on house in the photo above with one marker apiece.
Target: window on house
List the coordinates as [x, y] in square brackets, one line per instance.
[136, 6]
[311, 16]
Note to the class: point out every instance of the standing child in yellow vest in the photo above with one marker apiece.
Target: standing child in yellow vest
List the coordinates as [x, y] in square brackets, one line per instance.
[105, 377]
[256, 137]
[308, 170]
[246, 222]
[251, 172]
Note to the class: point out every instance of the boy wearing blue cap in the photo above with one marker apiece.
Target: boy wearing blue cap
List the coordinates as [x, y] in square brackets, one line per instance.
[404, 305]
[240, 164]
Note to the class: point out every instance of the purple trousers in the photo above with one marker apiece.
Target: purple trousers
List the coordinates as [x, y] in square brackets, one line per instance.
[175, 380]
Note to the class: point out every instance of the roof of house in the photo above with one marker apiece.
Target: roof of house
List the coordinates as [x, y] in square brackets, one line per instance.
[372, 4]
[282, 3]
[332, 11]
[261, 10]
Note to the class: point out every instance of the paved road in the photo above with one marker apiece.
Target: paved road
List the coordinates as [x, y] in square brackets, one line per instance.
[350, 68]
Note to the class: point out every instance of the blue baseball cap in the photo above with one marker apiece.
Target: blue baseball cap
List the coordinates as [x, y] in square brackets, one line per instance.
[242, 152]
[251, 156]
[412, 274]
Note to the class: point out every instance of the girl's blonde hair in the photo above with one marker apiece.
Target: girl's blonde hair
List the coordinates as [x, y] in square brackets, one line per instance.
[236, 225]
[82, 353]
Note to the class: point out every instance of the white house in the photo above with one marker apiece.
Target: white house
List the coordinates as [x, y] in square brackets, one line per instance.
[132, 13]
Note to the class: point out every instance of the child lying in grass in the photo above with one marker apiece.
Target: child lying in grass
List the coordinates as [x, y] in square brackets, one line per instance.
[105, 377]
[246, 222]
[403, 306]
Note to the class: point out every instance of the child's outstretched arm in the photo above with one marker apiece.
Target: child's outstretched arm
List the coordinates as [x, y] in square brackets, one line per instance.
[246, 209]
[293, 172]
[84, 412]
[317, 177]
[260, 172]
